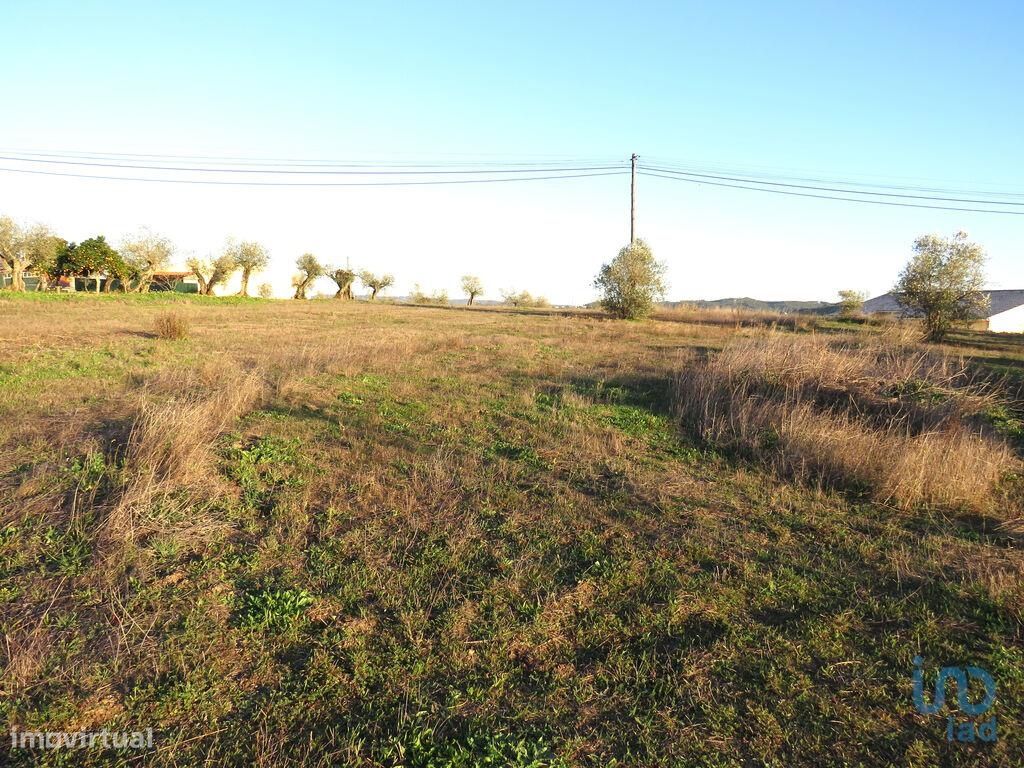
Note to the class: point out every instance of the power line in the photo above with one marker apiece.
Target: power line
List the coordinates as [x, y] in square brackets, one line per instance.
[830, 189]
[829, 197]
[760, 173]
[219, 182]
[58, 156]
[198, 169]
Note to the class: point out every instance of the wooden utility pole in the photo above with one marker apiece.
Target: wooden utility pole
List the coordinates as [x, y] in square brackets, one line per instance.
[632, 203]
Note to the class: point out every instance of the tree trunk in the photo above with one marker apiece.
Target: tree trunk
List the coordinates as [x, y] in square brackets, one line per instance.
[244, 290]
[18, 275]
[471, 297]
[344, 290]
[373, 293]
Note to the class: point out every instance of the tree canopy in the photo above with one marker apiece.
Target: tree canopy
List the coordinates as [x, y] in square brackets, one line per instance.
[210, 274]
[376, 283]
[27, 249]
[92, 258]
[943, 283]
[309, 270]
[472, 287]
[250, 257]
[343, 278]
[632, 282]
[145, 254]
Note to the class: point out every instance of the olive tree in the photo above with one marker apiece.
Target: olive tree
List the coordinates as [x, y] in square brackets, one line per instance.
[631, 282]
[851, 303]
[250, 257]
[514, 298]
[344, 279]
[376, 283]
[27, 249]
[472, 287]
[309, 270]
[943, 283]
[210, 274]
[145, 254]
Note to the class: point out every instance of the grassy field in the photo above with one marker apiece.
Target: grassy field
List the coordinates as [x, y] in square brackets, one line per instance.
[326, 533]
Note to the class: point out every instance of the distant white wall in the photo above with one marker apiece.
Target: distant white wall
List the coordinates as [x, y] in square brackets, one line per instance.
[1010, 321]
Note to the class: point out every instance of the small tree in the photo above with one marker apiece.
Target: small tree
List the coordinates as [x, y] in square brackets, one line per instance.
[942, 282]
[344, 279]
[472, 287]
[851, 303]
[118, 269]
[376, 283]
[265, 291]
[250, 257]
[146, 254]
[91, 258]
[22, 250]
[309, 270]
[514, 298]
[210, 274]
[419, 296]
[631, 282]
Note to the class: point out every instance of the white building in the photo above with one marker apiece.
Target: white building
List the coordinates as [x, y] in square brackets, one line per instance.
[1005, 313]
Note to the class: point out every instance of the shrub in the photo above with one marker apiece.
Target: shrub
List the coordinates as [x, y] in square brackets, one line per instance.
[631, 282]
[419, 296]
[173, 326]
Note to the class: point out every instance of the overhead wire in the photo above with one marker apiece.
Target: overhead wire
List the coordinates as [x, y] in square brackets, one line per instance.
[222, 182]
[831, 189]
[763, 174]
[828, 197]
[292, 171]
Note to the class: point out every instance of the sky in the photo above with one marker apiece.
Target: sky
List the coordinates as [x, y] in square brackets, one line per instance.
[924, 94]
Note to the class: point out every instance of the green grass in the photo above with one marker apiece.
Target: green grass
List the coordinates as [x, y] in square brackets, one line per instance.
[470, 553]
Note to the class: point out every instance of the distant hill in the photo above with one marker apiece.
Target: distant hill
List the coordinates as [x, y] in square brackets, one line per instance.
[745, 302]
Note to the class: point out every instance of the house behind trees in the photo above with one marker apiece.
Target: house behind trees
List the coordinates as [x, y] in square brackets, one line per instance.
[1004, 315]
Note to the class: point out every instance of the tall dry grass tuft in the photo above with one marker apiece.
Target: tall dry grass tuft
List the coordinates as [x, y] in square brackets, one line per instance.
[880, 414]
[172, 326]
[169, 460]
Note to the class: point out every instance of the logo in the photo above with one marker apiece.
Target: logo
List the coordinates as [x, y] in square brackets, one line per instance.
[966, 730]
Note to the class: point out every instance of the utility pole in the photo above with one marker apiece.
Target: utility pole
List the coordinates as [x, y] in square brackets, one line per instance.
[632, 202]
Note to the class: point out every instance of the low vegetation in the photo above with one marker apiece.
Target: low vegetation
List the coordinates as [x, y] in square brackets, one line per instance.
[172, 326]
[905, 425]
[339, 533]
[632, 282]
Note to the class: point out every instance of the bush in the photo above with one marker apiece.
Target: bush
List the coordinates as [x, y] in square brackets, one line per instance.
[632, 282]
[172, 326]
[419, 296]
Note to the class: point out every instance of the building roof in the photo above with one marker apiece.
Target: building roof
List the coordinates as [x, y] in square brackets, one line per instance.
[1001, 301]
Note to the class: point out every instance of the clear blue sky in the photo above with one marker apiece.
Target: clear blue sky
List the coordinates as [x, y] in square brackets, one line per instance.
[919, 93]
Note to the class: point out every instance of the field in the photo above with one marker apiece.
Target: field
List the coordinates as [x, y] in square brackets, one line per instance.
[331, 533]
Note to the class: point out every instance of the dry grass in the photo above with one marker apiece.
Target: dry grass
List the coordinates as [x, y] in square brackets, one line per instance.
[169, 454]
[172, 326]
[879, 414]
[736, 317]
